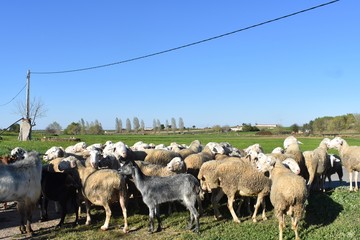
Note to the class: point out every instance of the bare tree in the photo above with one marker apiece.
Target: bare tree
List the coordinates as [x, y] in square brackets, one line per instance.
[118, 125]
[128, 125]
[181, 124]
[36, 110]
[142, 126]
[136, 125]
[173, 124]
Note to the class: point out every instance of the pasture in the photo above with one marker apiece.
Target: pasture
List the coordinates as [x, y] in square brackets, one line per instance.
[334, 214]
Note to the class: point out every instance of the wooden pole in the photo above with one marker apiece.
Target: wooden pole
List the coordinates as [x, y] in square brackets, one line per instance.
[28, 95]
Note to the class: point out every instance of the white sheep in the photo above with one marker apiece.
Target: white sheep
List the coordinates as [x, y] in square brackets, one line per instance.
[239, 176]
[54, 152]
[350, 157]
[317, 164]
[194, 161]
[288, 195]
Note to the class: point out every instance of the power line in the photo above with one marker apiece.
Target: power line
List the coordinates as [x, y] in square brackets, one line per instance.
[188, 45]
[13, 97]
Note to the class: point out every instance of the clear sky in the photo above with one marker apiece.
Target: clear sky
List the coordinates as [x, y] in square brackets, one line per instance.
[285, 72]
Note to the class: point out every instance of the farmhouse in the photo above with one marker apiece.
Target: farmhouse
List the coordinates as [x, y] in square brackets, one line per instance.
[266, 126]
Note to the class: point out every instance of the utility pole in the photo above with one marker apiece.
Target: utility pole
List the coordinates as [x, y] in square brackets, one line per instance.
[25, 125]
[28, 95]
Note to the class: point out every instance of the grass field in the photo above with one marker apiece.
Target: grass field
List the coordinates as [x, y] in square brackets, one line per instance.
[331, 215]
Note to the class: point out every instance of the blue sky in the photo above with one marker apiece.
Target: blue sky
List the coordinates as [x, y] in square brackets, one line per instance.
[290, 71]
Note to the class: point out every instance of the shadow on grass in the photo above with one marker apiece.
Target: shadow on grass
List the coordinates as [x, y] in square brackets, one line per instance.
[321, 210]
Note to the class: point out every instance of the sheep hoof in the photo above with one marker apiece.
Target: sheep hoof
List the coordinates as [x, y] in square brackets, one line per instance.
[237, 220]
[125, 229]
[87, 223]
[254, 220]
[104, 228]
[218, 217]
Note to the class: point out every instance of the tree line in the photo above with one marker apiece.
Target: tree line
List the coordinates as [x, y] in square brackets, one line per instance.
[134, 126]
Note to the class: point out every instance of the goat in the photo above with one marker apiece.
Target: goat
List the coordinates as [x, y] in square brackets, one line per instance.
[21, 182]
[156, 190]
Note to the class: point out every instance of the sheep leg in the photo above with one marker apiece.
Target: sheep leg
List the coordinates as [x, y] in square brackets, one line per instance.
[157, 214]
[260, 200]
[350, 180]
[215, 198]
[107, 218]
[239, 207]
[122, 201]
[22, 212]
[231, 208]
[88, 215]
[63, 213]
[281, 225]
[44, 209]
[356, 181]
[294, 226]
[194, 219]
[76, 207]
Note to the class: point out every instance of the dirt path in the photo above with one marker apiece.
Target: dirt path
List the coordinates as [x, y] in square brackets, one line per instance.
[10, 220]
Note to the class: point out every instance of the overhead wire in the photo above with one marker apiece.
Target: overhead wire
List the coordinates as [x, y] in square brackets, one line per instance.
[186, 45]
[2, 105]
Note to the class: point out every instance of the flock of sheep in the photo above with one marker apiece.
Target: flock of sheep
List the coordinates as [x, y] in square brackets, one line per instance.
[103, 174]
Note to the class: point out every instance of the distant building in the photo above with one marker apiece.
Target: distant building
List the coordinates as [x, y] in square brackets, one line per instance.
[266, 126]
[236, 129]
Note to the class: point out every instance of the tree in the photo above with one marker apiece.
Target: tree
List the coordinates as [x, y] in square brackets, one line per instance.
[73, 129]
[167, 126]
[357, 121]
[217, 128]
[95, 128]
[118, 125]
[154, 126]
[295, 128]
[36, 110]
[142, 126]
[14, 128]
[83, 127]
[173, 125]
[128, 125]
[181, 124]
[136, 124]
[158, 125]
[337, 124]
[53, 128]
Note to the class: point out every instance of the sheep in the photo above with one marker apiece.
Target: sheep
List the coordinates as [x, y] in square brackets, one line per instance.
[288, 195]
[350, 157]
[156, 190]
[150, 169]
[241, 177]
[100, 187]
[195, 147]
[335, 167]
[291, 146]
[278, 150]
[290, 140]
[18, 153]
[210, 184]
[54, 152]
[15, 182]
[59, 187]
[193, 162]
[160, 156]
[317, 163]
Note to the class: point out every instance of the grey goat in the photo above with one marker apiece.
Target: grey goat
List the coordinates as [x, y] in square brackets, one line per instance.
[157, 190]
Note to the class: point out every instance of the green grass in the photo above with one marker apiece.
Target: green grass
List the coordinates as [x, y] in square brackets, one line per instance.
[331, 215]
